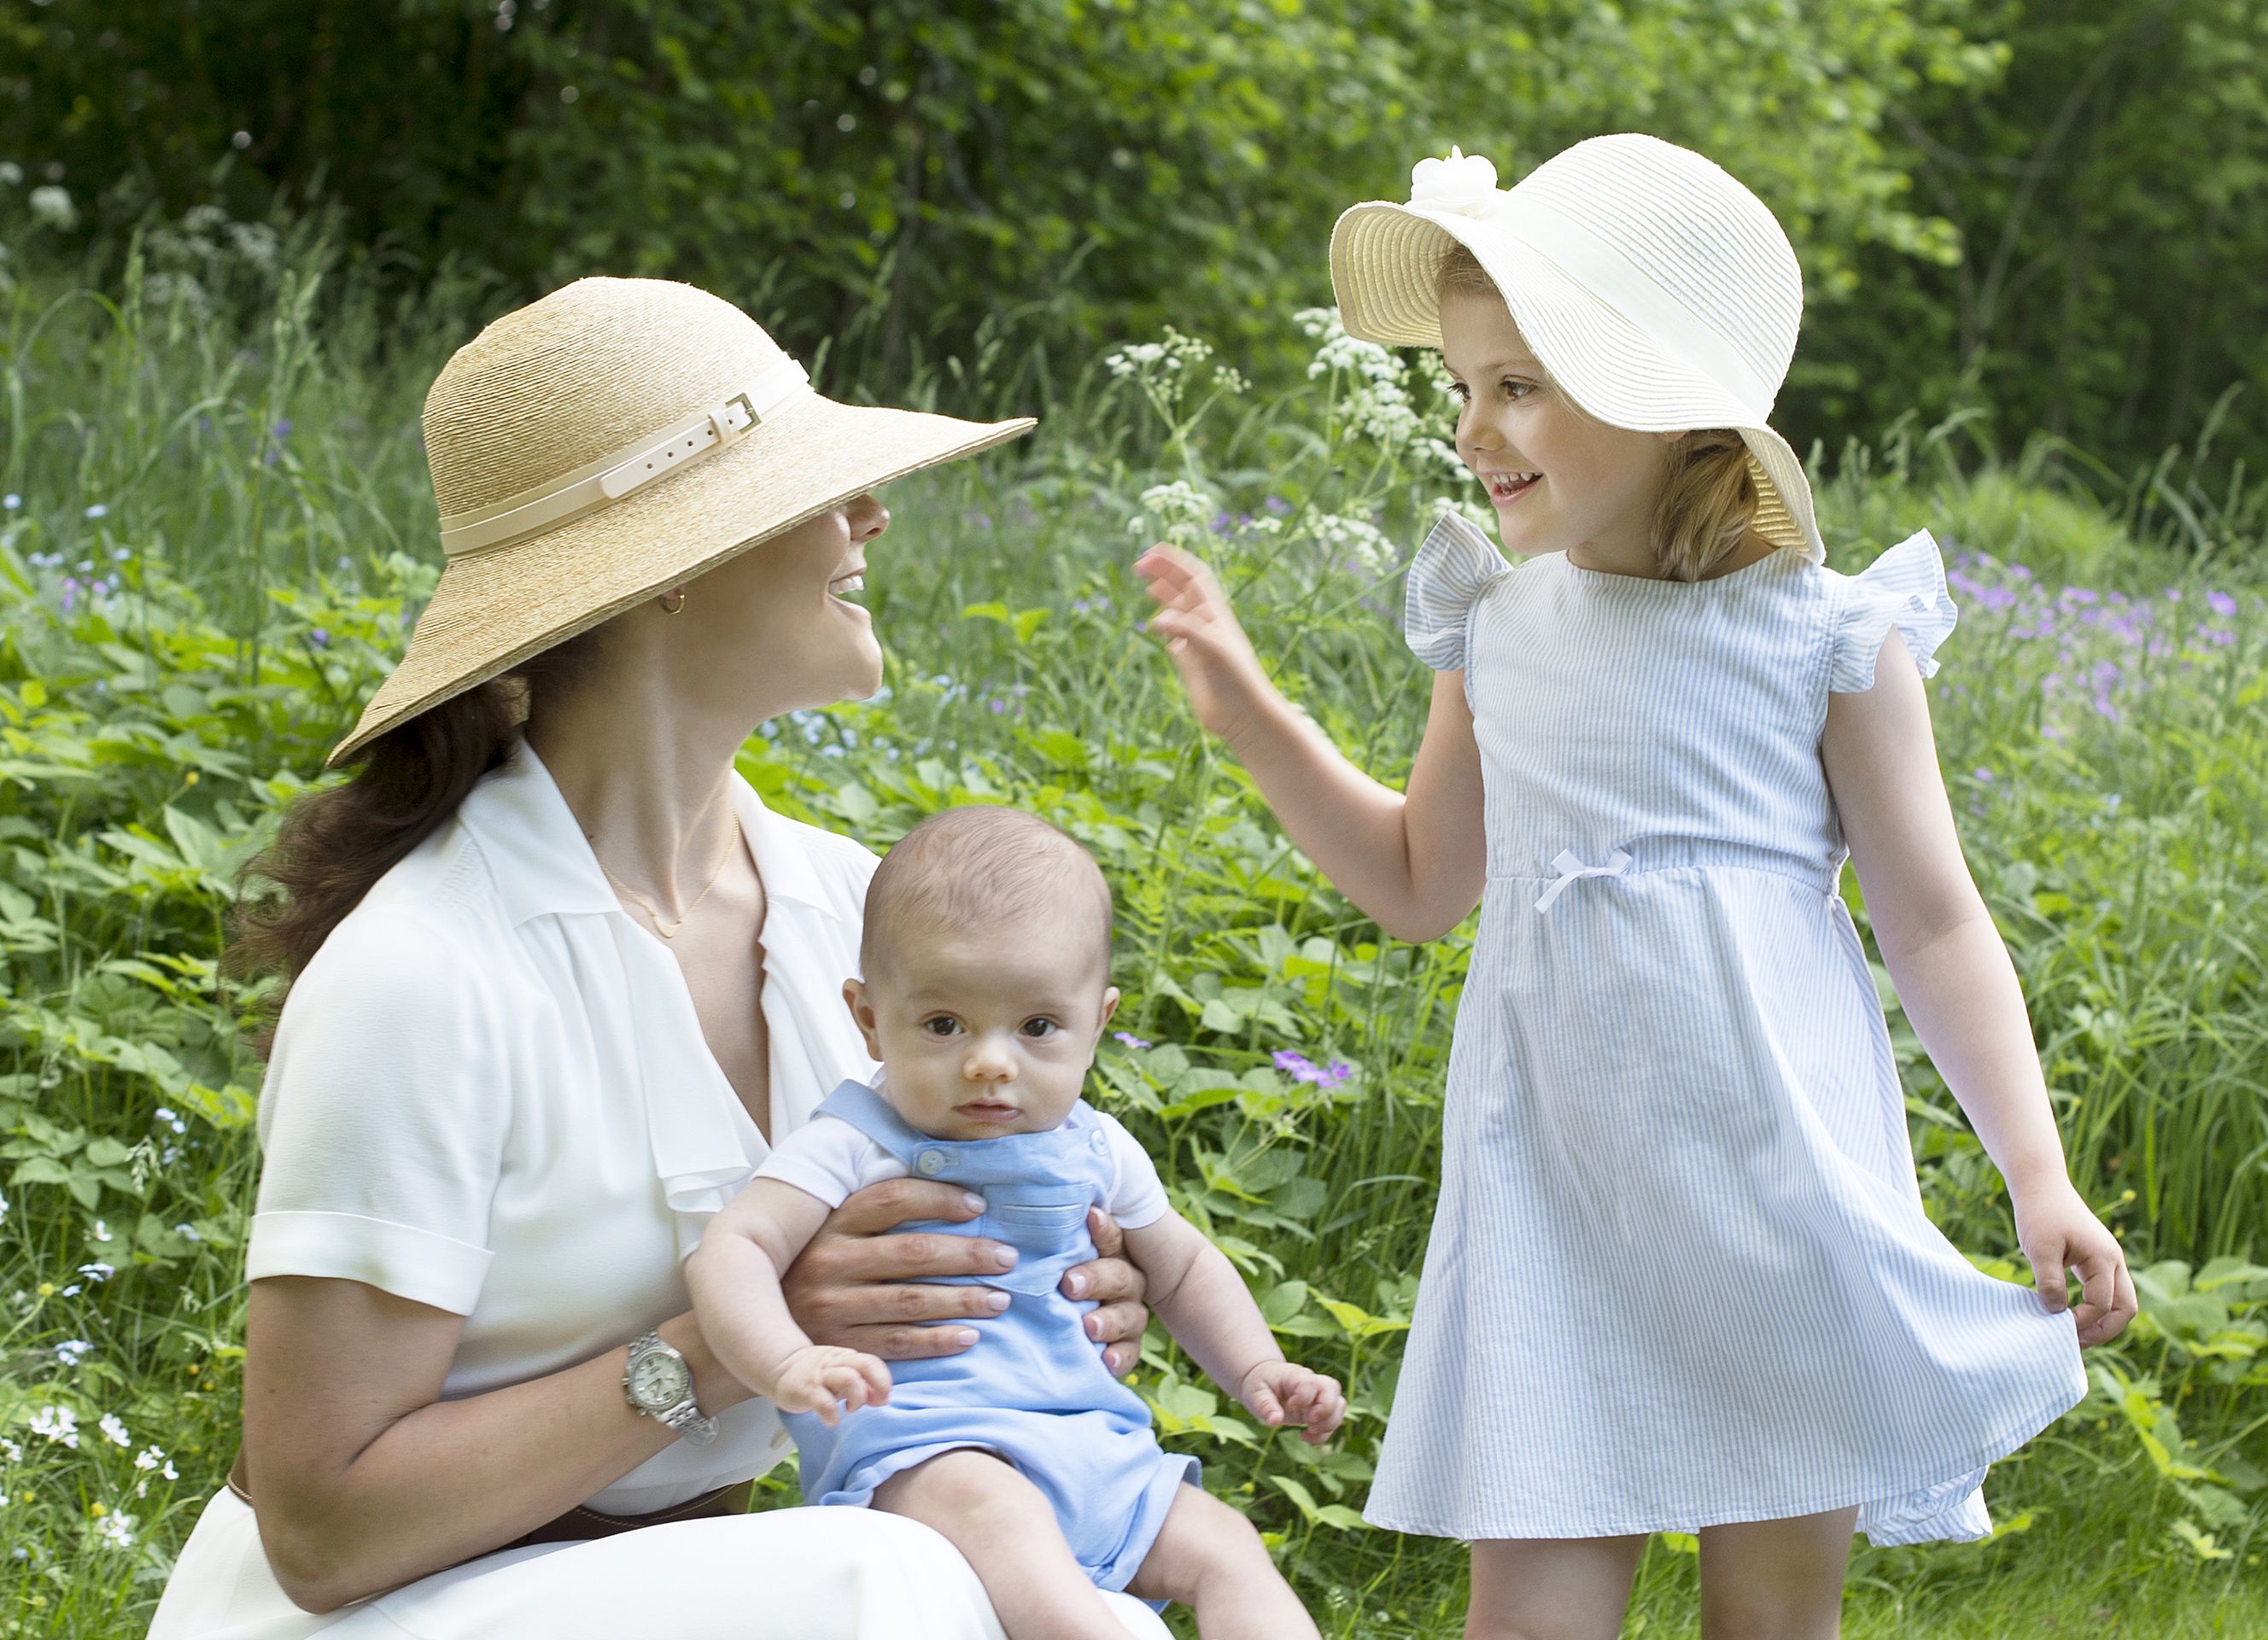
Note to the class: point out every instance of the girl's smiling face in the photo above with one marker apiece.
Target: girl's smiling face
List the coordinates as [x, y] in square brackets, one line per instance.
[1560, 480]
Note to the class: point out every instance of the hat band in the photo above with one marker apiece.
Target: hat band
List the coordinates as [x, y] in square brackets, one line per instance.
[1608, 273]
[602, 483]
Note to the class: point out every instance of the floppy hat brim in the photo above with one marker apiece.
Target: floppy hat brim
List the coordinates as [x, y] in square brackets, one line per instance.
[1385, 263]
[492, 610]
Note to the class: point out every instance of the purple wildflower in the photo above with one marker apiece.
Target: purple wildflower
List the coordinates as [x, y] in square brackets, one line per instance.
[1130, 1039]
[1984, 774]
[319, 637]
[2221, 604]
[1277, 505]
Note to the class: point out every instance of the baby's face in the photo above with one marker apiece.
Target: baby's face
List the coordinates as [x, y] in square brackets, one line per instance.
[986, 1033]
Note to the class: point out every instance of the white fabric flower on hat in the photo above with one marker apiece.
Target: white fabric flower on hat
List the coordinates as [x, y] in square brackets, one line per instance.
[1463, 183]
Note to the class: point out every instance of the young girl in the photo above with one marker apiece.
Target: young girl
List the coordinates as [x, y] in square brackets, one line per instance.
[1680, 1277]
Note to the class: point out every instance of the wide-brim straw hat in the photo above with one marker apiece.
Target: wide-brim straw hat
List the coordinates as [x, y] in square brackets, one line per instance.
[1659, 293]
[616, 438]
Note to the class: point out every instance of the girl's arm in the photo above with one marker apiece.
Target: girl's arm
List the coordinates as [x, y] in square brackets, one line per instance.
[1197, 1292]
[1954, 979]
[1414, 861]
[734, 1276]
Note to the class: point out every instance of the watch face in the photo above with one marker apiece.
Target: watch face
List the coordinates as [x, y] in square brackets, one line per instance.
[659, 1381]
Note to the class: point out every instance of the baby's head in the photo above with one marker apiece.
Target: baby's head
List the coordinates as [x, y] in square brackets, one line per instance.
[987, 963]
[1558, 476]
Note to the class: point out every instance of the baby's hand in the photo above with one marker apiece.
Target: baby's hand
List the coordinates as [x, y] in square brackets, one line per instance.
[1209, 648]
[1280, 1392]
[825, 1379]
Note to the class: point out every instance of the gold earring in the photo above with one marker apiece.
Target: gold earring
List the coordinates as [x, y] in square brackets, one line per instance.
[668, 608]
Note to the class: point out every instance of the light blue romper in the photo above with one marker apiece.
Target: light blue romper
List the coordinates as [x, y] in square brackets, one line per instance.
[1032, 1388]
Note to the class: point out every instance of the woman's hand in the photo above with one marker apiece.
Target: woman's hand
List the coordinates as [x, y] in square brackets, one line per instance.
[2058, 1234]
[1223, 676]
[1117, 1285]
[858, 1286]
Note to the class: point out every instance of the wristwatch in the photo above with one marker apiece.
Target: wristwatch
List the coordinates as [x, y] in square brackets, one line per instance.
[659, 1385]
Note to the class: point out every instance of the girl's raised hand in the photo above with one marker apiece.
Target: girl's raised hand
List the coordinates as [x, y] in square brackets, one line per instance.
[1209, 648]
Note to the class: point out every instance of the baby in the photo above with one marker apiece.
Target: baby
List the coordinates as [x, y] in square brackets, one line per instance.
[987, 960]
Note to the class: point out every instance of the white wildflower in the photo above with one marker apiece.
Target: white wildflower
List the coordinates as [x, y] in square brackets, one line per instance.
[116, 1529]
[57, 1423]
[115, 1431]
[149, 1458]
[11, 1451]
[1179, 511]
[53, 207]
[100, 1233]
[1356, 538]
[11, 174]
[71, 1351]
[97, 1270]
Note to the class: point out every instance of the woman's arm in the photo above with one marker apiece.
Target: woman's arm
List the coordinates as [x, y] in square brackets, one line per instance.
[1414, 862]
[367, 1479]
[1955, 982]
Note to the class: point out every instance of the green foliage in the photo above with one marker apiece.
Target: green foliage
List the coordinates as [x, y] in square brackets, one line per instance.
[197, 598]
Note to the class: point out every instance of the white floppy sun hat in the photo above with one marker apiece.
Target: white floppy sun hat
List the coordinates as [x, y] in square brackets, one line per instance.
[1657, 291]
[616, 438]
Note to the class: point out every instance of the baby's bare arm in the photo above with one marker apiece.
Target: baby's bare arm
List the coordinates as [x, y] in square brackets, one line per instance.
[734, 1275]
[1197, 1292]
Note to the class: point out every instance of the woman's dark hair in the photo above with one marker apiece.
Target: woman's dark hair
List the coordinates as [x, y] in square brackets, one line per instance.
[333, 844]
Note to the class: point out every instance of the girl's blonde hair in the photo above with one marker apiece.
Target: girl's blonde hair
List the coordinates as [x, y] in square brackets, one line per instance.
[1709, 495]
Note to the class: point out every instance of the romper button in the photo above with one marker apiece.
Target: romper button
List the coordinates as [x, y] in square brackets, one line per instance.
[929, 1163]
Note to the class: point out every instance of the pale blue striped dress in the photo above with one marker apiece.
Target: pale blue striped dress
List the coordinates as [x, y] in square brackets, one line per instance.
[1680, 1275]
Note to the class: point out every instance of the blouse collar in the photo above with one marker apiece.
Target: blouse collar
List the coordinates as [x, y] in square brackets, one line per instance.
[704, 1145]
[543, 865]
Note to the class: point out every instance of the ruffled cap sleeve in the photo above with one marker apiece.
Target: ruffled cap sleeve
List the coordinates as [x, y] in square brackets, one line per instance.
[1904, 588]
[1452, 570]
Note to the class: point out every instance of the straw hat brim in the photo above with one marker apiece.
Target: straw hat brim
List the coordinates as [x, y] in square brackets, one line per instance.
[492, 610]
[1385, 263]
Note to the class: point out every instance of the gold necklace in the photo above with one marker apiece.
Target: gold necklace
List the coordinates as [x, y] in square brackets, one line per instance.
[654, 916]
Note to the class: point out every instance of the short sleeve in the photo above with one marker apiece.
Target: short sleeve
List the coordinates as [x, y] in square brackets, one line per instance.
[383, 1116]
[1451, 570]
[1137, 1200]
[1904, 588]
[829, 1158]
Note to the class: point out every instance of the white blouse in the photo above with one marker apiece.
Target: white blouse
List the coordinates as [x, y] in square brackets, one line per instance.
[490, 1093]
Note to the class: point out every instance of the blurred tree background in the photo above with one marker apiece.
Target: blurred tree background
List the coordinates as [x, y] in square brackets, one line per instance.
[2050, 212]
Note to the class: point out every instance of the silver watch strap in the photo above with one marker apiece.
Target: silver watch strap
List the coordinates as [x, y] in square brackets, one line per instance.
[684, 1418]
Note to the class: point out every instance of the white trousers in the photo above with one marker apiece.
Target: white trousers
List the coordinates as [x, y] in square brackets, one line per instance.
[789, 1574]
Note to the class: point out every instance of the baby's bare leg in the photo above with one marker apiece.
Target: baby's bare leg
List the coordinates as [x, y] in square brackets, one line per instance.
[1005, 1529]
[1208, 1557]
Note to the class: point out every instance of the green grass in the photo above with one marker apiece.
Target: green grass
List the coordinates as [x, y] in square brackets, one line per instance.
[239, 467]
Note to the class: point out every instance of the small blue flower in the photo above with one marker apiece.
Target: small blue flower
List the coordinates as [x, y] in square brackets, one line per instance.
[10, 501]
[98, 510]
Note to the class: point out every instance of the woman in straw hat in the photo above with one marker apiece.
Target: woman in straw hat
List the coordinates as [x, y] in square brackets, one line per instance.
[1680, 1276]
[531, 1045]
